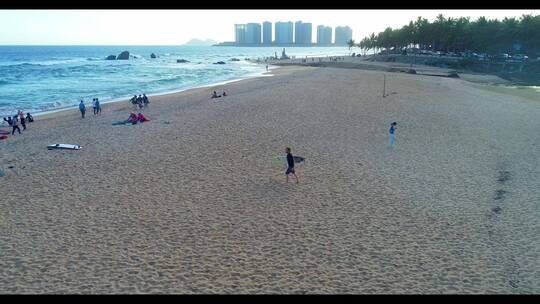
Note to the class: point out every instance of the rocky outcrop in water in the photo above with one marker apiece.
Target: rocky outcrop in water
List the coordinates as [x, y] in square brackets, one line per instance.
[153, 56]
[123, 56]
[219, 62]
[234, 59]
[181, 61]
[111, 57]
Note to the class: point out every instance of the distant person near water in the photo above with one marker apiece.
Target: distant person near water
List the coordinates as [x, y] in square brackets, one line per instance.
[21, 117]
[145, 100]
[392, 132]
[8, 120]
[140, 101]
[98, 107]
[14, 125]
[290, 165]
[134, 101]
[94, 106]
[82, 108]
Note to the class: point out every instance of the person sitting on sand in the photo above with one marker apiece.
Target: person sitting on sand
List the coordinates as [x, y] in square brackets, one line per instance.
[224, 94]
[132, 118]
[290, 165]
[215, 95]
[141, 118]
[29, 117]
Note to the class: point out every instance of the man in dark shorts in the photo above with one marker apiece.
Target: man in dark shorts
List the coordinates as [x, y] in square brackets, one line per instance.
[14, 125]
[290, 165]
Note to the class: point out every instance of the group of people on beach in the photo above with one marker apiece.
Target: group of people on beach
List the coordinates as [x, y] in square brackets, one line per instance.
[215, 95]
[141, 101]
[95, 105]
[14, 121]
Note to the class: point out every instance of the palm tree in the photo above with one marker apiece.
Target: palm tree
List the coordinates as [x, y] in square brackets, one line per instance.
[373, 42]
[351, 44]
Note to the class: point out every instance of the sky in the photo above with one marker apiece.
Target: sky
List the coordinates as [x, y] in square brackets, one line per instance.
[175, 27]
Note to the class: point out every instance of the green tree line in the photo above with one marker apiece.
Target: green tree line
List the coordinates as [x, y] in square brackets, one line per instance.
[483, 35]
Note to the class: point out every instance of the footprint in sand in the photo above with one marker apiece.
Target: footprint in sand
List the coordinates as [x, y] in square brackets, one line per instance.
[499, 194]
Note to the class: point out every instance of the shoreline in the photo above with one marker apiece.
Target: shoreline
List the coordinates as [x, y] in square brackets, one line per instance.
[45, 114]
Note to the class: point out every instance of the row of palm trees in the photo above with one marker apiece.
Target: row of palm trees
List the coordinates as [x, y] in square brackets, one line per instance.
[460, 34]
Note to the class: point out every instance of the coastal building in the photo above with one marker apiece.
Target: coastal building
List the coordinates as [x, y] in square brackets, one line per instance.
[324, 35]
[267, 32]
[302, 33]
[288, 34]
[343, 35]
[240, 33]
[253, 33]
[283, 32]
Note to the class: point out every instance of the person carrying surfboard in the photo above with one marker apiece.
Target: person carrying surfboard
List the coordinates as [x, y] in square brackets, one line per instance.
[290, 165]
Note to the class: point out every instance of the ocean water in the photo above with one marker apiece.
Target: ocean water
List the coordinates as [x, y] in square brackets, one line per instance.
[44, 78]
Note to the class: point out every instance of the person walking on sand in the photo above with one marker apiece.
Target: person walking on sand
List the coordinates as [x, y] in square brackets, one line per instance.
[94, 105]
[14, 125]
[98, 107]
[392, 132]
[82, 108]
[290, 165]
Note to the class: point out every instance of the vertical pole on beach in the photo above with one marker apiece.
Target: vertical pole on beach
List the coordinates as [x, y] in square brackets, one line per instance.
[384, 87]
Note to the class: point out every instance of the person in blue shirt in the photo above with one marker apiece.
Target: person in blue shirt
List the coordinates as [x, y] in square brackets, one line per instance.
[290, 165]
[82, 108]
[392, 133]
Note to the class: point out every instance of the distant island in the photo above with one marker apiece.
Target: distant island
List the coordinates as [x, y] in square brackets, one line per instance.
[199, 42]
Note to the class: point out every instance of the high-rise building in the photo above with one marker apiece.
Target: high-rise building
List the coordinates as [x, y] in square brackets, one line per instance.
[343, 35]
[302, 33]
[240, 33]
[283, 32]
[324, 34]
[253, 33]
[267, 32]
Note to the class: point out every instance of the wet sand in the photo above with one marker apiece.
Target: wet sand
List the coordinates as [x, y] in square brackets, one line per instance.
[196, 202]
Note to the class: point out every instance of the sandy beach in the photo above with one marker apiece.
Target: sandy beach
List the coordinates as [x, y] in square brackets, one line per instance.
[195, 201]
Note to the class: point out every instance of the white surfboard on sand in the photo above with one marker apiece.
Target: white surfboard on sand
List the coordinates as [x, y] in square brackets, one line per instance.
[64, 146]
